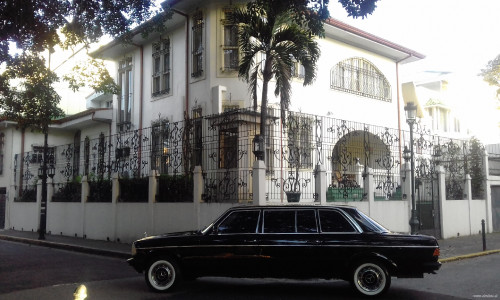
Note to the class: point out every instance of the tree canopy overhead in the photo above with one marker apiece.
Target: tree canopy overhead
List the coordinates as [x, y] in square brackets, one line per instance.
[31, 100]
[35, 25]
[491, 73]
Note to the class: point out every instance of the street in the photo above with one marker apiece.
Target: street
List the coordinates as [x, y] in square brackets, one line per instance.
[32, 272]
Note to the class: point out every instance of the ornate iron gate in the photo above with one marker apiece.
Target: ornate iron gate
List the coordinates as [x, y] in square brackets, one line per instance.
[426, 183]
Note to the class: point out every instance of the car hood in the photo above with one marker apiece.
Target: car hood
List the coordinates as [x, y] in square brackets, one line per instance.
[406, 239]
[174, 238]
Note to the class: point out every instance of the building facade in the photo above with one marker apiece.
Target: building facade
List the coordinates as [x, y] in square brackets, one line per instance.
[174, 148]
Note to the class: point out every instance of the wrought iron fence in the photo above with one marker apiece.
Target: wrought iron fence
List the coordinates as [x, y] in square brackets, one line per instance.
[222, 145]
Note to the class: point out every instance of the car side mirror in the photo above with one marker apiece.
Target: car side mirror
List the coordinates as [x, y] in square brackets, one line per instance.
[214, 230]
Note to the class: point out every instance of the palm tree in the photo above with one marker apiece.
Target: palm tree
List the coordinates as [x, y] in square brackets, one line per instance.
[271, 42]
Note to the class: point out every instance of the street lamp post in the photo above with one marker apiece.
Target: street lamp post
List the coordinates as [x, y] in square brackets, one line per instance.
[411, 118]
[43, 172]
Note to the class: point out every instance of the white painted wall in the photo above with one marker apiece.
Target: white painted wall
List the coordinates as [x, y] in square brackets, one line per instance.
[462, 217]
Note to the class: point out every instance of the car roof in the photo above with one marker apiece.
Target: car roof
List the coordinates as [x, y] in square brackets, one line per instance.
[291, 206]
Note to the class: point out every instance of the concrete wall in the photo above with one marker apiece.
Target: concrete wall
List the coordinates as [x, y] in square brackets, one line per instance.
[126, 222]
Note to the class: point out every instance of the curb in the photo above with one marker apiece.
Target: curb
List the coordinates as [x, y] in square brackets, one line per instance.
[82, 249]
[472, 255]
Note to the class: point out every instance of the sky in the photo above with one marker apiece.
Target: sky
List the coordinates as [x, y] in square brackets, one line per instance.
[458, 36]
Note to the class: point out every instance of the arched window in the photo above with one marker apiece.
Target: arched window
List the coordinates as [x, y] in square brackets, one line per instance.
[359, 76]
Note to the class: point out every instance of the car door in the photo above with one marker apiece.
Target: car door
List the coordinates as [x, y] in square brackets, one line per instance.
[340, 240]
[231, 247]
[288, 241]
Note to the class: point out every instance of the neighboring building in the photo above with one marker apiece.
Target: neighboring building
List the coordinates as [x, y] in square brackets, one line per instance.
[439, 106]
[182, 109]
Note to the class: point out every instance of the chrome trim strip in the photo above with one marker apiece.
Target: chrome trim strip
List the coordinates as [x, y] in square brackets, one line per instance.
[293, 245]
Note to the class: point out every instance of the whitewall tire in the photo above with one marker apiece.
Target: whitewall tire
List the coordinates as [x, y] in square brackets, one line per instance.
[370, 278]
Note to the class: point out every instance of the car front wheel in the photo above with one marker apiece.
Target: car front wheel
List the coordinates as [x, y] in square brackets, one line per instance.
[370, 278]
[162, 275]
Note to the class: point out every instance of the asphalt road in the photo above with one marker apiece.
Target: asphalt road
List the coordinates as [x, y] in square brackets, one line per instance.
[31, 272]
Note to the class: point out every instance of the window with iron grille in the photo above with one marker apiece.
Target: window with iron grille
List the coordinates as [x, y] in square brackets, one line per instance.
[161, 68]
[230, 48]
[228, 147]
[299, 130]
[197, 45]
[160, 146]
[86, 155]
[37, 155]
[359, 76]
[126, 89]
[298, 70]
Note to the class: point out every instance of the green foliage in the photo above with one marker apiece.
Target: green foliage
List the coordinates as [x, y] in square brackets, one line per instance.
[28, 195]
[36, 26]
[475, 168]
[100, 190]
[92, 73]
[359, 8]
[175, 188]
[134, 189]
[27, 95]
[70, 192]
[271, 29]
[491, 74]
[39, 25]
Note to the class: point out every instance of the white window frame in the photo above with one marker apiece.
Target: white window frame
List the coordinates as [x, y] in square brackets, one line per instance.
[161, 81]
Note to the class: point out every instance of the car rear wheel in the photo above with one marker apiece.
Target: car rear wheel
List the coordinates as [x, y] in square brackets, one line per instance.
[370, 278]
[162, 275]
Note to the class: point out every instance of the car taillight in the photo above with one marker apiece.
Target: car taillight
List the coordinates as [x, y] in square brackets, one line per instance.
[436, 252]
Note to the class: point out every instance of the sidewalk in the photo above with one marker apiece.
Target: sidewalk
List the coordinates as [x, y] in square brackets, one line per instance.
[468, 246]
[451, 249]
[112, 249]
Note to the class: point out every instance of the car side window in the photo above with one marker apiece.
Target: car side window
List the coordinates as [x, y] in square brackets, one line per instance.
[334, 221]
[279, 221]
[240, 222]
[290, 221]
[306, 221]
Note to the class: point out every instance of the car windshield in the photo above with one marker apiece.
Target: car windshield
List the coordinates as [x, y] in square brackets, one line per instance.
[366, 223]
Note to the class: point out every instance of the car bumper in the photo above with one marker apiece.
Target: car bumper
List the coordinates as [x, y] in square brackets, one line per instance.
[137, 263]
[430, 267]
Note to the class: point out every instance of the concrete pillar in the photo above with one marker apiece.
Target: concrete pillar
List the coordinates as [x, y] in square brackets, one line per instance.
[442, 199]
[259, 183]
[487, 193]
[197, 192]
[152, 191]
[468, 197]
[359, 173]
[320, 184]
[85, 189]
[85, 195]
[115, 192]
[369, 187]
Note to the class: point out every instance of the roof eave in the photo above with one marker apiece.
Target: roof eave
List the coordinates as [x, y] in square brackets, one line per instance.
[359, 38]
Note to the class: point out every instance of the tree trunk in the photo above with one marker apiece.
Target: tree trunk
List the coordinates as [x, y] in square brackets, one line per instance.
[267, 75]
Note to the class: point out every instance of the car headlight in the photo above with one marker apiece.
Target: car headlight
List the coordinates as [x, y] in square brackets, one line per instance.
[134, 251]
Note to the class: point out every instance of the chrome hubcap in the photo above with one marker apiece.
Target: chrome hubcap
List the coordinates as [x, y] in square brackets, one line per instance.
[370, 279]
[162, 275]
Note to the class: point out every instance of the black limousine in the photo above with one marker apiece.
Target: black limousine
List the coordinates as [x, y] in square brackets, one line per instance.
[287, 242]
